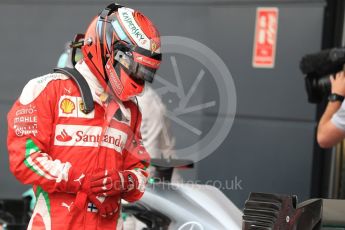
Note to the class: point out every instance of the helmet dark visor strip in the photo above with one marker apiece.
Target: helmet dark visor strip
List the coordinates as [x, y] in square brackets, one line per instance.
[146, 61]
[126, 47]
[147, 53]
[134, 69]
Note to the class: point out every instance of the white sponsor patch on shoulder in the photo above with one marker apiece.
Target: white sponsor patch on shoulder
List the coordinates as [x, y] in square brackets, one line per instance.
[89, 136]
[35, 87]
[71, 106]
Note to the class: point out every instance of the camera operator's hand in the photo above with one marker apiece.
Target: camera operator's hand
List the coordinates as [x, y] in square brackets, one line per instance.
[338, 83]
[329, 132]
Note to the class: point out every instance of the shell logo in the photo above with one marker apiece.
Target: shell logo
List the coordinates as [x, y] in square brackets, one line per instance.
[67, 106]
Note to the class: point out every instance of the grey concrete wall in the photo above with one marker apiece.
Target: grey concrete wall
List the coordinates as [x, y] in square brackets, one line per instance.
[270, 145]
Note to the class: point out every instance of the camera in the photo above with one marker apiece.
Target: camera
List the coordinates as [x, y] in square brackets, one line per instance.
[318, 67]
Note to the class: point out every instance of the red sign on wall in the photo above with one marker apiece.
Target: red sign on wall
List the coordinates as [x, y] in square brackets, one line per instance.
[265, 40]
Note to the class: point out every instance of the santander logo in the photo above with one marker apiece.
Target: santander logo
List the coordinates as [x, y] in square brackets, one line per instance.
[82, 135]
[85, 137]
[63, 137]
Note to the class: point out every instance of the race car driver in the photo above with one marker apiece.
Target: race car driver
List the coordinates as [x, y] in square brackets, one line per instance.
[155, 130]
[82, 163]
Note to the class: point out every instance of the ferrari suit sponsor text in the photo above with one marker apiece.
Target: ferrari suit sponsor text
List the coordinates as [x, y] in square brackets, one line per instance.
[81, 135]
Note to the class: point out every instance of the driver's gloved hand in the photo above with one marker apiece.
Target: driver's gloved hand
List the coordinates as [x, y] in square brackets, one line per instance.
[107, 206]
[113, 182]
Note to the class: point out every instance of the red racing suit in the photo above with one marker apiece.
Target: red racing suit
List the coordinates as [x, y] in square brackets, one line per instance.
[52, 145]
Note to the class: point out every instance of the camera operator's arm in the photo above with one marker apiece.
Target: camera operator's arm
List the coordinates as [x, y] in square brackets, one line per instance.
[331, 129]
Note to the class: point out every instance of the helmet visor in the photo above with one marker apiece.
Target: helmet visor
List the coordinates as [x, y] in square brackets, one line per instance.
[135, 68]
